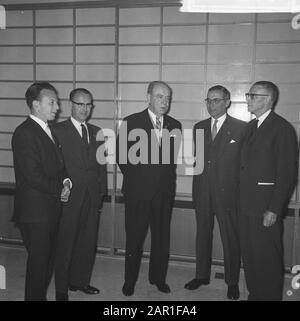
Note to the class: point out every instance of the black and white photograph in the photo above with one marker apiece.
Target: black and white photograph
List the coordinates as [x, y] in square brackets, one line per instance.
[149, 153]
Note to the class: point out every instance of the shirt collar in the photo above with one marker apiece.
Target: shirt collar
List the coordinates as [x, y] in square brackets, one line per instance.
[39, 121]
[220, 120]
[153, 117]
[262, 117]
[76, 123]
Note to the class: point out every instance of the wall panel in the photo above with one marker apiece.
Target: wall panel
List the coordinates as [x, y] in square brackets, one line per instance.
[18, 18]
[16, 54]
[137, 16]
[115, 52]
[57, 36]
[93, 54]
[90, 16]
[54, 17]
[54, 54]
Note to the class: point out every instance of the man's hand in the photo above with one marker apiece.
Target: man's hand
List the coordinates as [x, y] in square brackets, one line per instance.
[65, 193]
[269, 218]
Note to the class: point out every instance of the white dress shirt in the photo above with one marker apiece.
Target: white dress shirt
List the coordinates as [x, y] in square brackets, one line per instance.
[262, 117]
[219, 123]
[47, 130]
[153, 118]
[77, 125]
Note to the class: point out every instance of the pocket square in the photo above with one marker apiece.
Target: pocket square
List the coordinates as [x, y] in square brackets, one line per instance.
[232, 141]
[265, 183]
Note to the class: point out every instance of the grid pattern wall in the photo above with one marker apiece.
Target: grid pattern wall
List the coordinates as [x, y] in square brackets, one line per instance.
[115, 52]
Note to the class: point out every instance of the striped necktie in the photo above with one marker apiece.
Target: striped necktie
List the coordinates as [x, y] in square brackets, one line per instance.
[158, 123]
[214, 131]
[158, 128]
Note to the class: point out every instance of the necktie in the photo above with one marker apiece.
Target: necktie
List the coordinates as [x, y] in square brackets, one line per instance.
[214, 130]
[158, 127]
[84, 134]
[48, 132]
[158, 123]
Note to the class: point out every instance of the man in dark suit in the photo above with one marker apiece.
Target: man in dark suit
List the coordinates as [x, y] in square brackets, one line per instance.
[268, 174]
[215, 189]
[149, 185]
[78, 230]
[39, 172]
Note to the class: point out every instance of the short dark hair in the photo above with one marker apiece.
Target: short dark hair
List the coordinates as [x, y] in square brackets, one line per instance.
[152, 84]
[224, 90]
[75, 91]
[271, 87]
[34, 91]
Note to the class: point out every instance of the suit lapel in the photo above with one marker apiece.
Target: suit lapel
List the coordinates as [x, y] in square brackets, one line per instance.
[261, 129]
[47, 141]
[76, 140]
[225, 135]
[148, 126]
[207, 131]
[92, 138]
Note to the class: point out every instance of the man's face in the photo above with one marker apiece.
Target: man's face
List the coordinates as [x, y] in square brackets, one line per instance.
[47, 106]
[216, 103]
[81, 106]
[258, 101]
[159, 100]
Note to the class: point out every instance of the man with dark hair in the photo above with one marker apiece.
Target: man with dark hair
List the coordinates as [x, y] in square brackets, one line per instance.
[40, 188]
[149, 187]
[78, 230]
[268, 173]
[215, 190]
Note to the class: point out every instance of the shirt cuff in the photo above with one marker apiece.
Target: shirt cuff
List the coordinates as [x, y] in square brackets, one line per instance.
[68, 180]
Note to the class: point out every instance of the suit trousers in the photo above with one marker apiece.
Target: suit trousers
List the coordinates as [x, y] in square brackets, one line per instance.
[40, 242]
[77, 245]
[228, 225]
[138, 215]
[262, 255]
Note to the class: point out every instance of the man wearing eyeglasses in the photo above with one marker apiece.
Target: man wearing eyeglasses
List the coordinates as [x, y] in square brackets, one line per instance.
[78, 231]
[268, 173]
[215, 191]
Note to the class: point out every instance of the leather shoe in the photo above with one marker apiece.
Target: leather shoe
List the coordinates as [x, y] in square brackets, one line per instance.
[62, 296]
[128, 289]
[88, 289]
[233, 292]
[162, 287]
[195, 283]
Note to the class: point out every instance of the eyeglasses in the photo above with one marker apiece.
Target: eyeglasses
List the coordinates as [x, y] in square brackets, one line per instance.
[252, 96]
[213, 101]
[162, 97]
[81, 105]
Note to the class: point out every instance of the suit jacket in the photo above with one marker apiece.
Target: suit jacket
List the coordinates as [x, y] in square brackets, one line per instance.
[221, 164]
[81, 164]
[142, 181]
[39, 172]
[269, 163]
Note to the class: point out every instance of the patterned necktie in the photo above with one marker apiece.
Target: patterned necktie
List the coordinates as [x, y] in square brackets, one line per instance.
[84, 134]
[158, 123]
[214, 130]
[158, 127]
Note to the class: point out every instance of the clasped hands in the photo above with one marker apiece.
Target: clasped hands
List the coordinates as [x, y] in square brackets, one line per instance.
[66, 191]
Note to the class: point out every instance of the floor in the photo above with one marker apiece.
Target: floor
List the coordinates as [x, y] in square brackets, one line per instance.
[108, 277]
